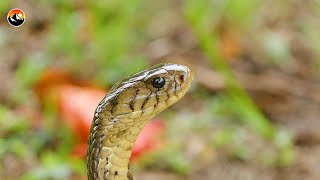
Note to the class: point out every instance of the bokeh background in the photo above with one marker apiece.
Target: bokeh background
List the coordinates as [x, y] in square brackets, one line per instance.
[252, 112]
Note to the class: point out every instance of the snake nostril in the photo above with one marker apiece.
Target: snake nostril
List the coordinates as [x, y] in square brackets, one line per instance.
[182, 78]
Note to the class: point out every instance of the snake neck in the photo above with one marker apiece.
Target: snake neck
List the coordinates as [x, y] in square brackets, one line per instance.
[110, 146]
[122, 114]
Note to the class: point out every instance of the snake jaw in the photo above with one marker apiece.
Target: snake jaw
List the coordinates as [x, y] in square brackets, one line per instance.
[122, 114]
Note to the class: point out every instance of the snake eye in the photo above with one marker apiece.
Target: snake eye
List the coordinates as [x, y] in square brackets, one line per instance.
[158, 82]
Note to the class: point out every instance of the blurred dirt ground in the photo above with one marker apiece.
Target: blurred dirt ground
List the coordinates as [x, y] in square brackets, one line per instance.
[284, 84]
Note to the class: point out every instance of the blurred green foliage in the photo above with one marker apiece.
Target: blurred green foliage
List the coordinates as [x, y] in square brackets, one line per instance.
[209, 44]
[52, 144]
[169, 158]
[4, 6]
[27, 73]
[12, 125]
[110, 44]
[106, 38]
[197, 15]
[55, 166]
[110, 40]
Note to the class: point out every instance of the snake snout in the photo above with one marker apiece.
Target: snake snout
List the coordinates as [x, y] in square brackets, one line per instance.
[182, 78]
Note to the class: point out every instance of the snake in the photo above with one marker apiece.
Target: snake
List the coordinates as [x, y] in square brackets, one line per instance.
[123, 113]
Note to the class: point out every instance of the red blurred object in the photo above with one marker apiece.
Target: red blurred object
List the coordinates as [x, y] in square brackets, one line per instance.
[150, 138]
[49, 80]
[77, 102]
[77, 106]
[80, 150]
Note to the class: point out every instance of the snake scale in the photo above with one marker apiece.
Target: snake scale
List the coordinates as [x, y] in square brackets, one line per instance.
[124, 111]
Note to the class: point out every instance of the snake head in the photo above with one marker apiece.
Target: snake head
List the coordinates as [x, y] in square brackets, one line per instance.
[171, 80]
[150, 91]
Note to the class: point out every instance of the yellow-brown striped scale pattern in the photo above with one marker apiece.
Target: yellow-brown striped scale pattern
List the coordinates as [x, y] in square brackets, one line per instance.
[121, 115]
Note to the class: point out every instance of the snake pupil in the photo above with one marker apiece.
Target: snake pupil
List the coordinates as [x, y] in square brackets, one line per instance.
[158, 82]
